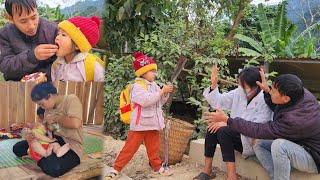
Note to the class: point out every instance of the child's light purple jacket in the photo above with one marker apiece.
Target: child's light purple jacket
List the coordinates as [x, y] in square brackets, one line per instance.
[151, 102]
[75, 70]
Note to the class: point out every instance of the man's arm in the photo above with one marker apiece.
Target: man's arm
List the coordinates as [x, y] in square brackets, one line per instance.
[15, 65]
[254, 130]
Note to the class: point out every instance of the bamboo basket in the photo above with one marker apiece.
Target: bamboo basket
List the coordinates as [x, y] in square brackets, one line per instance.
[179, 135]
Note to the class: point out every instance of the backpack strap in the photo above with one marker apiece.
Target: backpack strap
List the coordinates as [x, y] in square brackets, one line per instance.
[54, 65]
[144, 85]
[138, 112]
[89, 65]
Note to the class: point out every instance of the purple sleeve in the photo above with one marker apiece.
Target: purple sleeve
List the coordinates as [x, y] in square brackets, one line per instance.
[254, 130]
[15, 65]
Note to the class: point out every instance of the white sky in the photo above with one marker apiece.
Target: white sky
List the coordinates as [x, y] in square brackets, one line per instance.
[267, 2]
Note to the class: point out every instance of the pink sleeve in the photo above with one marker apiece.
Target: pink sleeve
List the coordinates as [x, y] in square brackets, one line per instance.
[141, 96]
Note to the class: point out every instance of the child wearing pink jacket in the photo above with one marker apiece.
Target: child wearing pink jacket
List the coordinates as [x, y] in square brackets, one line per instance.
[147, 117]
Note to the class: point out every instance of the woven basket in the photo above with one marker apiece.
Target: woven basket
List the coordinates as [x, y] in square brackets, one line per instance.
[179, 135]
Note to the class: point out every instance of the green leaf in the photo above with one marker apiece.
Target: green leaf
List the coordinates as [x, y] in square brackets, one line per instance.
[139, 7]
[255, 44]
[120, 14]
[303, 33]
[265, 26]
[127, 7]
[249, 52]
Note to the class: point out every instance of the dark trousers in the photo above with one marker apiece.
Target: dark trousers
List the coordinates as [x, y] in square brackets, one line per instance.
[229, 141]
[51, 165]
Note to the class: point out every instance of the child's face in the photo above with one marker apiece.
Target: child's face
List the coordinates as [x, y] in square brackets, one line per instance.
[26, 23]
[150, 75]
[277, 97]
[65, 44]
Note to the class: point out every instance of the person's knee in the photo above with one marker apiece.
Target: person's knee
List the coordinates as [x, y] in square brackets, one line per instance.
[54, 170]
[278, 146]
[222, 133]
[20, 148]
[258, 145]
[16, 150]
[50, 168]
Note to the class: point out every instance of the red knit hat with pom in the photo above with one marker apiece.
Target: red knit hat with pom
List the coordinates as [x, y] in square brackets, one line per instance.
[83, 31]
[143, 63]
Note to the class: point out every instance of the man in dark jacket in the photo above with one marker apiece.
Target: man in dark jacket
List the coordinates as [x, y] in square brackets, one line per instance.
[295, 128]
[27, 43]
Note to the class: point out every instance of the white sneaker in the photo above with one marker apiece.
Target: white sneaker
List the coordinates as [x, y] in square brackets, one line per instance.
[113, 174]
[163, 172]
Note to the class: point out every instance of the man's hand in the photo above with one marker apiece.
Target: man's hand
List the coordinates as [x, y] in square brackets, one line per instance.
[218, 116]
[214, 127]
[264, 84]
[45, 51]
[50, 118]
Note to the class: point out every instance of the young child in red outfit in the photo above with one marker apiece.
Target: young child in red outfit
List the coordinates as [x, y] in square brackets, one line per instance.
[146, 119]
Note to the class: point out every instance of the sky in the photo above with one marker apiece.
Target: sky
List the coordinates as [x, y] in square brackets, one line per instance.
[55, 3]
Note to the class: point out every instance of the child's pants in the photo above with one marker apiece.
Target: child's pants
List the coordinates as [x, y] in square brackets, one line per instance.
[151, 140]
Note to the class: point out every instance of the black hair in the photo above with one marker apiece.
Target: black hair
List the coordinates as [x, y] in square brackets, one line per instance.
[20, 5]
[40, 111]
[42, 91]
[250, 75]
[289, 85]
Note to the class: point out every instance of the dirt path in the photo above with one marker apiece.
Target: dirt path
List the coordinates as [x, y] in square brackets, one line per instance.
[138, 168]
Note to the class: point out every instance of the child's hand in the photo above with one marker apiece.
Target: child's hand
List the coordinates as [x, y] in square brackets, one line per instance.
[27, 134]
[50, 119]
[167, 89]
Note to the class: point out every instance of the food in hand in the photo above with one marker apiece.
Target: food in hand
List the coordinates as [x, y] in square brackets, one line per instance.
[37, 77]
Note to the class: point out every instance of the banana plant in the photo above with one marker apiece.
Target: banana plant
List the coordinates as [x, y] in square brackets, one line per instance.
[276, 36]
[258, 50]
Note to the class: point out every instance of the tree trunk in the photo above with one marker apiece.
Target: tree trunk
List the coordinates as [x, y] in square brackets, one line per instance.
[243, 4]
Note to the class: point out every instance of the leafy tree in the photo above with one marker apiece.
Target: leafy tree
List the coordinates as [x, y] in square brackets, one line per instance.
[186, 29]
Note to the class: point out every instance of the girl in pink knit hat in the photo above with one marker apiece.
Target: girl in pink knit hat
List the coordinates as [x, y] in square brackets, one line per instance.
[146, 119]
[75, 38]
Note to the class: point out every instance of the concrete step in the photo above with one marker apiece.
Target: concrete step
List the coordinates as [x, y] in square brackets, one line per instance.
[249, 168]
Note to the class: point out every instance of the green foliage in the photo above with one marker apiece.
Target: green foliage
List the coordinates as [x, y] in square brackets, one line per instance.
[170, 42]
[126, 19]
[277, 36]
[118, 74]
[167, 31]
[52, 14]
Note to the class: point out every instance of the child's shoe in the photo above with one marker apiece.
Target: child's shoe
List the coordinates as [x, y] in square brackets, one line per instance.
[163, 171]
[113, 174]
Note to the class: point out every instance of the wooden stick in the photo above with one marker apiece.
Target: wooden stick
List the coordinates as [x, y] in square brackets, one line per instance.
[179, 67]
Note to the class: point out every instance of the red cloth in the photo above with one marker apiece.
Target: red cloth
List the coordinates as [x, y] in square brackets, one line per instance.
[35, 156]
